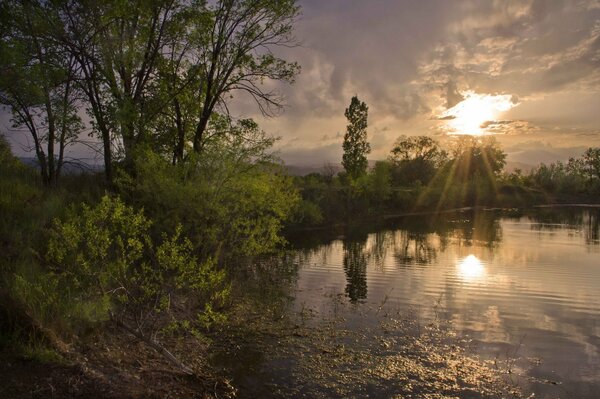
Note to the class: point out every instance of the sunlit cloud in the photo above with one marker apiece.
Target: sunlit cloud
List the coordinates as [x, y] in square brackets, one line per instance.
[476, 113]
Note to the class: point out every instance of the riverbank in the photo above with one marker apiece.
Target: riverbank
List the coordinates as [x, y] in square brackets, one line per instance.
[111, 364]
[267, 349]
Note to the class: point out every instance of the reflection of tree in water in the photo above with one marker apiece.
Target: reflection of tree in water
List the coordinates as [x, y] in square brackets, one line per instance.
[415, 248]
[481, 228]
[591, 223]
[555, 219]
[355, 267]
[419, 240]
[382, 240]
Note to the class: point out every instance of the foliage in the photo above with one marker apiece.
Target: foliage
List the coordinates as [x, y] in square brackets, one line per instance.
[477, 156]
[232, 200]
[155, 73]
[591, 163]
[416, 159]
[355, 144]
[37, 82]
[579, 176]
[420, 176]
[106, 255]
[380, 184]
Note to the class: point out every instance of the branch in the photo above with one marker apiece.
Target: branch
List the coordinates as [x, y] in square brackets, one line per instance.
[154, 345]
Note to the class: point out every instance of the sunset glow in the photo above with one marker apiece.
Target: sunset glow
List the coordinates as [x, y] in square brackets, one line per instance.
[471, 114]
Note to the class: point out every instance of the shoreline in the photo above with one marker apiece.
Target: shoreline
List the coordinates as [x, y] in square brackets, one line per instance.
[386, 217]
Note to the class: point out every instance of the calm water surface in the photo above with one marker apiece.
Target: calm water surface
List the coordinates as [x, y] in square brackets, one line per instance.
[524, 288]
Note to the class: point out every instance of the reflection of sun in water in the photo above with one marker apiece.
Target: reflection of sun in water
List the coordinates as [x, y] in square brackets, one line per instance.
[470, 268]
[470, 115]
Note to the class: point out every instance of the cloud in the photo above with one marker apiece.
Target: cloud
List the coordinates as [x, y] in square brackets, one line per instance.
[524, 48]
[453, 96]
[412, 61]
[508, 127]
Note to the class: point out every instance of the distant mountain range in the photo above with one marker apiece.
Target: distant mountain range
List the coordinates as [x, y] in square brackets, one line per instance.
[303, 170]
[76, 167]
[525, 167]
[69, 168]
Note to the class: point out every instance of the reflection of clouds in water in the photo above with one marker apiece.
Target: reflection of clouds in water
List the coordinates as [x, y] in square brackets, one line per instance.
[491, 326]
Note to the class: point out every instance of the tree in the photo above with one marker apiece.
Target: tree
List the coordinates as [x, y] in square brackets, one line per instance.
[236, 54]
[477, 156]
[417, 148]
[416, 158]
[155, 73]
[591, 160]
[355, 144]
[117, 46]
[37, 82]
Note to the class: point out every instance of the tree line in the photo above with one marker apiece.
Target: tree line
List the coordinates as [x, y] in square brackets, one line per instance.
[421, 174]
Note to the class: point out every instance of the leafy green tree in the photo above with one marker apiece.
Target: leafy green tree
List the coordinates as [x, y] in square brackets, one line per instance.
[591, 160]
[235, 55]
[417, 148]
[153, 74]
[380, 184]
[117, 46]
[477, 156]
[232, 199]
[416, 159]
[356, 147]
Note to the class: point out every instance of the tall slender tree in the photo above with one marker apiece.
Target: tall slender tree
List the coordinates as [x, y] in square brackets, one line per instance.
[356, 147]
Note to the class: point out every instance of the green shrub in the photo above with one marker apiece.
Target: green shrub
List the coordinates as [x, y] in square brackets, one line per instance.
[234, 208]
[105, 257]
[307, 214]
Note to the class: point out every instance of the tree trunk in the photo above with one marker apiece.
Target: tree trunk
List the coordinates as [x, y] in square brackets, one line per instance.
[200, 128]
[180, 144]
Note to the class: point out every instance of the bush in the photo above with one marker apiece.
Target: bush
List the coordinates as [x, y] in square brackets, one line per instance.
[307, 214]
[105, 258]
[234, 209]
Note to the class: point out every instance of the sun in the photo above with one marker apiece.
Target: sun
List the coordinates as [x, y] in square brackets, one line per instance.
[471, 114]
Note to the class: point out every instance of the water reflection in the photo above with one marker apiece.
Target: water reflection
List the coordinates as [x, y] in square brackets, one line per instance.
[414, 248]
[553, 219]
[355, 267]
[518, 280]
[470, 268]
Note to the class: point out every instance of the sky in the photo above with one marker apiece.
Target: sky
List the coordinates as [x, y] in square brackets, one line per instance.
[526, 72]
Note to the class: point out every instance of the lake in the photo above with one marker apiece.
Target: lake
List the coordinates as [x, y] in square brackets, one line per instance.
[521, 291]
